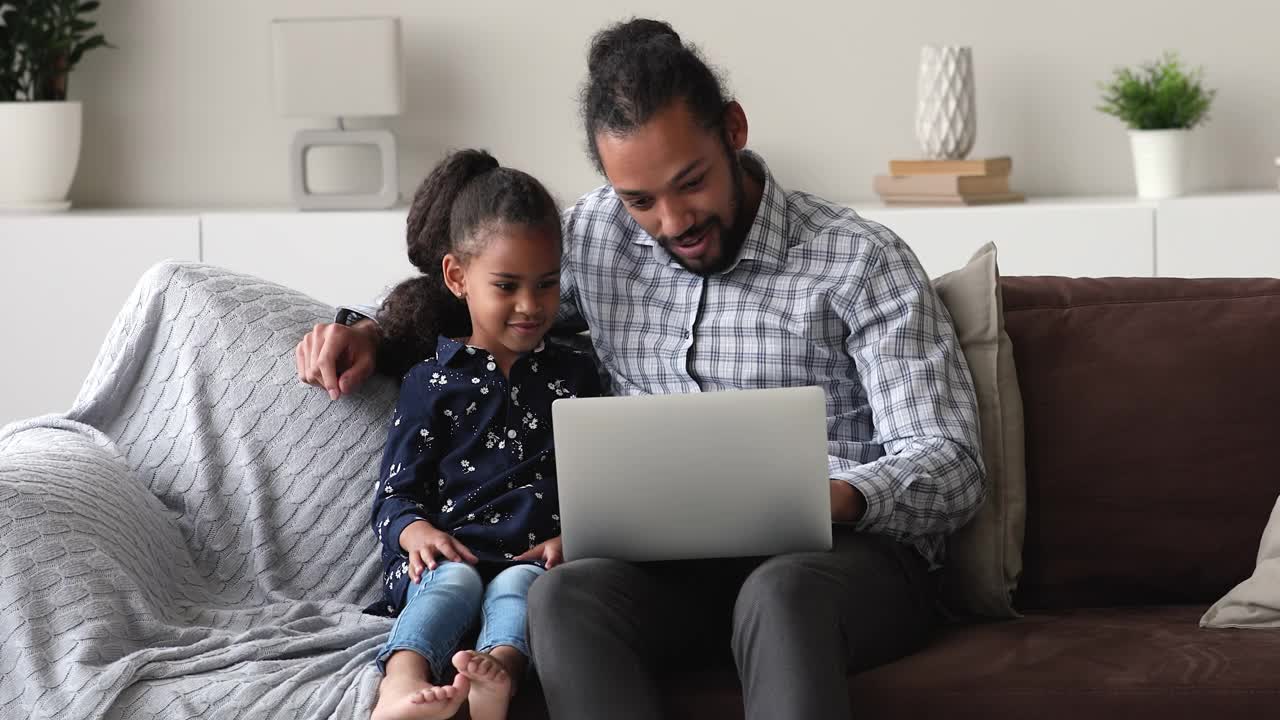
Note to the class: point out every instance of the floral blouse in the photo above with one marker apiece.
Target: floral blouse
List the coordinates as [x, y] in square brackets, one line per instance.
[470, 451]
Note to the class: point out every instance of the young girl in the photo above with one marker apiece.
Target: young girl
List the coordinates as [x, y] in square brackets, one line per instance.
[466, 504]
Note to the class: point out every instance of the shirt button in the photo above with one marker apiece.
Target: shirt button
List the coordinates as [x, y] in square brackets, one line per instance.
[686, 334]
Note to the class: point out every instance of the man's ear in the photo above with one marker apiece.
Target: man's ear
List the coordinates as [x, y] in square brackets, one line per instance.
[735, 125]
[454, 277]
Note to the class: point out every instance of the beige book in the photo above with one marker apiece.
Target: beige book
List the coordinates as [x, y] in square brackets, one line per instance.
[940, 184]
[975, 166]
[919, 200]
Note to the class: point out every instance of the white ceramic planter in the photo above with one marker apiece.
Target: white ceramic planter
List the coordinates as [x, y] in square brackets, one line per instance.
[1159, 162]
[40, 144]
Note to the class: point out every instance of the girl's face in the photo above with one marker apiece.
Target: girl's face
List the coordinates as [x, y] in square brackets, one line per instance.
[512, 289]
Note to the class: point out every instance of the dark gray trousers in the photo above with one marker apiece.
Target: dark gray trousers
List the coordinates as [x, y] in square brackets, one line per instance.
[604, 632]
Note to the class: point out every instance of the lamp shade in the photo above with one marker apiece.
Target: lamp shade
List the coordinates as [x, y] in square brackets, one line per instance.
[337, 67]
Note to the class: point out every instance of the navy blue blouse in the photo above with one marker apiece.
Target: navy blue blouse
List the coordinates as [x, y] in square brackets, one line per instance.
[470, 451]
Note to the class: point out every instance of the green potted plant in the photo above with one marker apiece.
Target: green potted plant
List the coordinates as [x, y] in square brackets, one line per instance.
[41, 42]
[1160, 102]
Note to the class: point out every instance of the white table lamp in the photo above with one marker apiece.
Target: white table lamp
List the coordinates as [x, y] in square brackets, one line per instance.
[339, 68]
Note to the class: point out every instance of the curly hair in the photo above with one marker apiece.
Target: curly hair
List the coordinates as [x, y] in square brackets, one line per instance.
[636, 69]
[455, 210]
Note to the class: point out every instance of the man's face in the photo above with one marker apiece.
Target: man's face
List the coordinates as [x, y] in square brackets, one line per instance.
[683, 184]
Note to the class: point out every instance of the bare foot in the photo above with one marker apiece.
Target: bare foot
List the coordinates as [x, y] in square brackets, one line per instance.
[490, 684]
[412, 699]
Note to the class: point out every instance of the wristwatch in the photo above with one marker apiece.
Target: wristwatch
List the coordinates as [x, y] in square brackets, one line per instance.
[349, 317]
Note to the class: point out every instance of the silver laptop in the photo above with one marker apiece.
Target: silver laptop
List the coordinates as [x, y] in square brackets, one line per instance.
[704, 475]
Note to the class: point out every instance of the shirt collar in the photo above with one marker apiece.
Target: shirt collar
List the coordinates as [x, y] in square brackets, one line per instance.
[766, 241]
[448, 348]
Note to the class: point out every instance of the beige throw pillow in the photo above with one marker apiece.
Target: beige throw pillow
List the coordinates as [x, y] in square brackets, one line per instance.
[1254, 603]
[984, 558]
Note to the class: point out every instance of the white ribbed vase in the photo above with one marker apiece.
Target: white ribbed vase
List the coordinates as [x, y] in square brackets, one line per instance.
[946, 122]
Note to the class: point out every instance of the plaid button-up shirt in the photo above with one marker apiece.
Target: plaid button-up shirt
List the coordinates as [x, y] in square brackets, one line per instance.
[817, 296]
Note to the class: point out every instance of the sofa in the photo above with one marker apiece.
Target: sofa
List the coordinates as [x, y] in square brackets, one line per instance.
[191, 538]
[1151, 432]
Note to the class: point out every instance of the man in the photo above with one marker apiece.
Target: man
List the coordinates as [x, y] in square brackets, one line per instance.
[695, 271]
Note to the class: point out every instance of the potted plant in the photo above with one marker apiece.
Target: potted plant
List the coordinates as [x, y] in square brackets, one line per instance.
[1161, 102]
[41, 41]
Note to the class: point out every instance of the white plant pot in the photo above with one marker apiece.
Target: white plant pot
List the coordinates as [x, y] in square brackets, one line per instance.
[40, 144]
[1159, 162]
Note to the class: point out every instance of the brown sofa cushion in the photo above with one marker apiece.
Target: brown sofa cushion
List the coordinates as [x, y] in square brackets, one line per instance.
[1119, 663]
[1150, 412]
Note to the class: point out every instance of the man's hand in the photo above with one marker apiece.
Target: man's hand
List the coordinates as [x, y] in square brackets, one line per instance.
[338, 358]
[847, 504]
[550, 553]
[424, 543]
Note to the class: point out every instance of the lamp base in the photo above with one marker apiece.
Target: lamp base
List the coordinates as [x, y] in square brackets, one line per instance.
[386, 196]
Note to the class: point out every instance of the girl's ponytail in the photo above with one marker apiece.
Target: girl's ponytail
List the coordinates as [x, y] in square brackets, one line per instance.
[420, 309]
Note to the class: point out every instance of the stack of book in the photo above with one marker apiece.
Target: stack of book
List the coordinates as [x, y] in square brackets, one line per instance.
[979, 181]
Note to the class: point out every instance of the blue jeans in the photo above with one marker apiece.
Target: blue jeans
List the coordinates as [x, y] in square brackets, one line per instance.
[446, 602]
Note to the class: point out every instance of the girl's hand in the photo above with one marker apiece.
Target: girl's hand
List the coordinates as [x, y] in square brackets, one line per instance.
[424, 543]
[550, 553]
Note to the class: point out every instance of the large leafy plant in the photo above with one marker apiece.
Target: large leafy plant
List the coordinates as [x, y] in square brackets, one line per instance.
[1158, 95]
[41, 41]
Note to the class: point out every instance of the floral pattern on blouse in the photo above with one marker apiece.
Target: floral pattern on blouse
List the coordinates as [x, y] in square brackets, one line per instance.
[469, 450]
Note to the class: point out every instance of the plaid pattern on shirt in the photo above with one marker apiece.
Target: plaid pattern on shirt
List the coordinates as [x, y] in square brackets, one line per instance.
[817, 296]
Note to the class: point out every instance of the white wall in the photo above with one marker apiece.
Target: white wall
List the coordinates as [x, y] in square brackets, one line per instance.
[181, 113]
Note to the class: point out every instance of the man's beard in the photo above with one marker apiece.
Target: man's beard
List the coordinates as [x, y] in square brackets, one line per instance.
[731, 237]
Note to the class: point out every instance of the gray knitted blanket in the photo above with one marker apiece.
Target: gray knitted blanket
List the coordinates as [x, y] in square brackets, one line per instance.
[191, 539]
